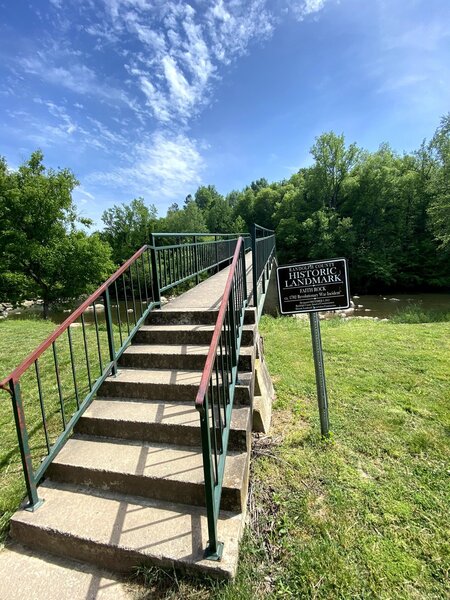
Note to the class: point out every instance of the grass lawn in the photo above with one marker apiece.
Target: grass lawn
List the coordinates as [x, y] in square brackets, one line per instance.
[363, 515]
[17, 339]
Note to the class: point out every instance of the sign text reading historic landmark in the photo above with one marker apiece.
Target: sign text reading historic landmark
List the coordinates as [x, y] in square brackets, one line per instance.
[313, 286]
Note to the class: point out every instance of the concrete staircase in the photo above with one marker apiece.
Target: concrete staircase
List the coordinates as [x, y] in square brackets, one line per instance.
[127, 488]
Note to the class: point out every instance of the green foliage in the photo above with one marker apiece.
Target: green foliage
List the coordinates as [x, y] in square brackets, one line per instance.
[188, 219]
[42, 254]
[439, 209]
[128, 228]
[415, 313]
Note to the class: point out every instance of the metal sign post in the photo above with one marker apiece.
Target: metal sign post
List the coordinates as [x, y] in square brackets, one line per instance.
[320, 373]
[309, 288]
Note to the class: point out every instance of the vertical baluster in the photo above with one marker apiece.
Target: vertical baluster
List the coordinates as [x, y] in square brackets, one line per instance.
[110, 331]
[222, 373]
[150, 274]
[99, 350]
[156, 272]
[119, 320]
[214, 433]
[145, 281]
[133, 295]
[58, 382]
[86, 353]
[22, 435]
[74, 372]
[126, 302]
[139, 285]
[41, 404]
[217, 402]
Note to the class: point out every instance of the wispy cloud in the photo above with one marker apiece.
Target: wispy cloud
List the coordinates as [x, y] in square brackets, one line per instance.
[180, 49]
[166, 167]
[76, 77]
[304, 8]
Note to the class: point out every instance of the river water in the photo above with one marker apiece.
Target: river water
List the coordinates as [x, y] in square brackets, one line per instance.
[385, 306]
[381, 306]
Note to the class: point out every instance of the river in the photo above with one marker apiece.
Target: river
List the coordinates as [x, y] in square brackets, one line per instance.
[382, 307]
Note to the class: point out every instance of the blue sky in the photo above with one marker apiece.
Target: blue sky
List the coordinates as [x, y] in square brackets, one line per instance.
[150, 98]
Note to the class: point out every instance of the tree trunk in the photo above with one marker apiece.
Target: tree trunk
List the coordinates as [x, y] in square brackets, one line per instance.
[45, 307]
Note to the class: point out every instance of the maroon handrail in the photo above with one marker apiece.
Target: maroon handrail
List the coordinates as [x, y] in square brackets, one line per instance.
[18, 371]
[212, 353]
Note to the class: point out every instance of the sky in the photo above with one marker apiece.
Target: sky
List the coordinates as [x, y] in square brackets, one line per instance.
[153, 98]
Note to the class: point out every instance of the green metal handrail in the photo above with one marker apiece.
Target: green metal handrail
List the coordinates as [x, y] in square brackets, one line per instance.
[263, 254]
[215, 396]
[60, 378]
[105, 322]
[191, 255]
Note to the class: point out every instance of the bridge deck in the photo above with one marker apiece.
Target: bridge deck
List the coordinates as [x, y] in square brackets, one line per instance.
[208, 293]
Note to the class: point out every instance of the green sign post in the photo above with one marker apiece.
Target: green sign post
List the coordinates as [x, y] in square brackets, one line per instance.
[309, 288]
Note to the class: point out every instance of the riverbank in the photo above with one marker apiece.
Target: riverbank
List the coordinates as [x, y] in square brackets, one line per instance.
[364, 515]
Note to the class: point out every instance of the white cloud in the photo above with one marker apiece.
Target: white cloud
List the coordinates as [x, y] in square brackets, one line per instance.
[166, 167]
[77, 78]
[303, 8]
[176, 50]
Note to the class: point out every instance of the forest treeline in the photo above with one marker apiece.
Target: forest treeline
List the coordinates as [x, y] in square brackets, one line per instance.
[388, 213]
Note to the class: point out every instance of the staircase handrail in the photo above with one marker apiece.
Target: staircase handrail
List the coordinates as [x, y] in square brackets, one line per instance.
[263, 254]
[214, 400]
[134, 280]
[29, 360]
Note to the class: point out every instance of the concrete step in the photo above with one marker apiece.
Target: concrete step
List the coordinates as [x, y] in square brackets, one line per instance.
[186, 334]
[176, 356]
[119, 532]
[165, 384]
[46, 577]
[164, 472]
[193, 316]
[157, 421]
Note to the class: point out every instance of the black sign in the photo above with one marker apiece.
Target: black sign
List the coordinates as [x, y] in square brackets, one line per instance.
[313, 286]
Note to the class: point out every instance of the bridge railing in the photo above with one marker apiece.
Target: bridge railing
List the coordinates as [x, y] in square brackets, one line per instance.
[55, 384]
[263, 254]
[215, 396]
[181, 257]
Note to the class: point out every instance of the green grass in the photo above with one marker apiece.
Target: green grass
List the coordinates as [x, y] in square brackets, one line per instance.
[415, 313]
[363, 515]
[17, 339]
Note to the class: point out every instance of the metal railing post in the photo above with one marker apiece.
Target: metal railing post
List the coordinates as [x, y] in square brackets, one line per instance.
[22, 436]
[214, 549]
[254, 267]
[197, 275]
[154, 274]
[244, 273]
[110, 332]
[217, 252]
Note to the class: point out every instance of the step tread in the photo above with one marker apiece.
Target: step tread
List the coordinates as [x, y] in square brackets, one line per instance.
[47, 577]
[155, 411]
[161, 376]
[174, 327]
[178, 349]
[124, 530]
[147, 460]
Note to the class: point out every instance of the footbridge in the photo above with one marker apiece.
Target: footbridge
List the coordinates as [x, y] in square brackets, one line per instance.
[134, 416]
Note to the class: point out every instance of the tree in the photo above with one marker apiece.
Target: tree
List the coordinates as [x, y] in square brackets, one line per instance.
[219, 216]
[206, 195]
[128, 227]
[42, 255]
[439, 209]
[189, 219]
[333, 163]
